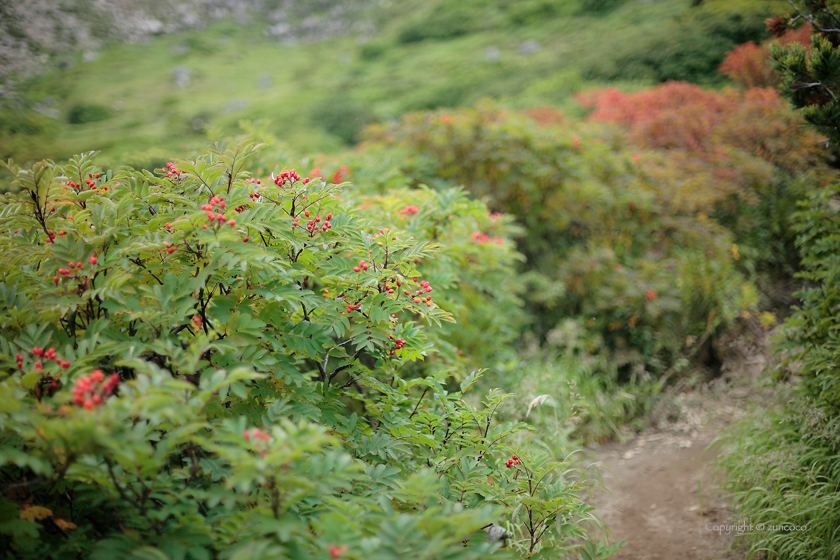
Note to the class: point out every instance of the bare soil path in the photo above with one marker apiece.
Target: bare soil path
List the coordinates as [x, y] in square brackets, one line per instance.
[662, 492]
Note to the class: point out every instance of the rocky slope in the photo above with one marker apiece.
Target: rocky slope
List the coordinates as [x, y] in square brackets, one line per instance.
[35, 34]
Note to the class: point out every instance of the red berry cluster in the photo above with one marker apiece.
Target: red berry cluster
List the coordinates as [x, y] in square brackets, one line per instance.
[48, 354]
[211, 207]
[353, 306]
[408, 210]
[513, 461]
[91, 390]
[171, 171]
[169, 248]
[290, 177]
[390, 289]
[260, 438]
[90, 182]
[256, 433]
[314, 225]
[362, 266]
[483, 238]
[398, 344]
[651, 295]
[72, 270]
[254, 196]
[425, 287]
[198, 321]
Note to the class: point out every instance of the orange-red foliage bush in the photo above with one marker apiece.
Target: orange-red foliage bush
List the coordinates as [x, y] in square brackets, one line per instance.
[682, 116]
[731, 154]
[748, 65]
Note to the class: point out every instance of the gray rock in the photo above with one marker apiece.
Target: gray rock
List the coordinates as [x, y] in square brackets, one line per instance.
[529, 47]
[492, 53]
[181, 76]
[265, 82]
[46, 110]
[179, 50]
[236, 105]
[90, 56]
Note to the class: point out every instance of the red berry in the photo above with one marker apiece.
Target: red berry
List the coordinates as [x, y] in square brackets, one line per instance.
[232, 222]
[65, 364]
[168, 225]
[356, 269]
[93, 260]
[245, 240]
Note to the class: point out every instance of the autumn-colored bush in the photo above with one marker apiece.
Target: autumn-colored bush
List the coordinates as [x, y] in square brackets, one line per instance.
[748, 65]
[736, 156]
[200, 362]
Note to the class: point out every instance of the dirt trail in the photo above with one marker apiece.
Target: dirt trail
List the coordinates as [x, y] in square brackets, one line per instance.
[663, 493]
[661, 487]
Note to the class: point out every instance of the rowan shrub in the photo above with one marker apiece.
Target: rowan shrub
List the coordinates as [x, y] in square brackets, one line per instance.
[200, 362]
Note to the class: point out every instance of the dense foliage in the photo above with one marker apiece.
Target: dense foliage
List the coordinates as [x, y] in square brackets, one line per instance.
[809, 75]
[783, 465]
[603, 241]
[689, 48]
[201, 362]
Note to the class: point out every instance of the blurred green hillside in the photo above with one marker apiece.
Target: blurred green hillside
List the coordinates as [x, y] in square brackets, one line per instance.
[148, 99]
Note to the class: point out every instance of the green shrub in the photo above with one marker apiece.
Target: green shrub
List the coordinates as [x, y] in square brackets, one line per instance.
[343, 117]
[810, 335]
[447, 20]
[689, 49]
[532, 11]
[598, 6]
[372, 51]
[87, 113]
[26, 134]
[270, 384]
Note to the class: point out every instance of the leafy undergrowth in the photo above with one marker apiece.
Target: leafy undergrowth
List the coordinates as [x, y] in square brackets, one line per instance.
[783, 465]
[783, 475]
